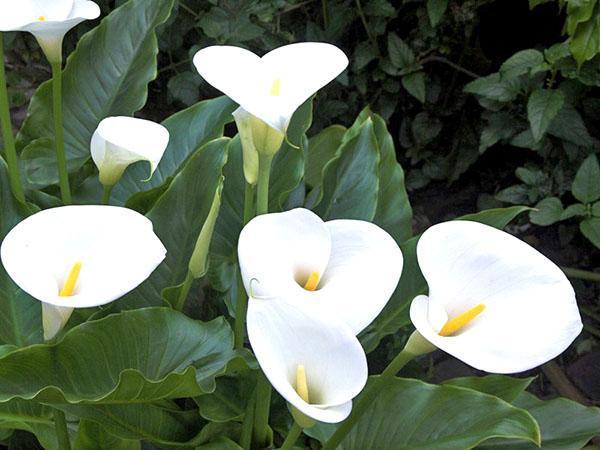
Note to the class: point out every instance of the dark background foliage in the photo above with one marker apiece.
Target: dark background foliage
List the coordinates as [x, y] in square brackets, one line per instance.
[490, 102]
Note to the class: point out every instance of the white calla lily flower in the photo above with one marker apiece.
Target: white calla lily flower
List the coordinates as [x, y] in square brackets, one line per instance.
[48, 20]
[494, 302]
[80, 257]
[317, 365]
[344, 269]
[121, 141]
[274, 86]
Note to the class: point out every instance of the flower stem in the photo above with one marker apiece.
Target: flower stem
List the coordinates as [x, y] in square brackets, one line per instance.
[581, 274]
[261, 413]
[7, 133]
[368, 397]
[248, 203]
[185, 290]
[106, 195]
[246, 433]
[292, 437]
[61, 158]
[264, 175]
[62, 433]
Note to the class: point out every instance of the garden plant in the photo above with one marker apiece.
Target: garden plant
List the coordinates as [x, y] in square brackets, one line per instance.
[247, 224]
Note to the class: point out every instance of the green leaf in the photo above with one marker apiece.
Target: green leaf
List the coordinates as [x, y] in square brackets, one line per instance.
[92, 436]
[400, 53]
[586, 186]
[542, 107]
[591, 230]
[395, 314]
[569, 126]
[534, 3]
[414, 83]
[20, 314]
[29, 416]
[547, 211]
[133, 357]
[573, 210]
[228, 401]
[501, 126]
[521, 63]
[185, 87]
[565, 425]
[585, 42]
[596, 209]
[106, 75]
[416, 415]
[178, 217]
[503, 387]
[436, 10]
[493, 87]
[321, 149]
[351, 181]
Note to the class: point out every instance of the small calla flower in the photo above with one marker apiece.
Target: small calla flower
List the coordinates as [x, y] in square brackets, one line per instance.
[48, 20]
[271, 88]
[494, 302]
[317, 365]
[80, 257]
[121, 141]
[346, 269]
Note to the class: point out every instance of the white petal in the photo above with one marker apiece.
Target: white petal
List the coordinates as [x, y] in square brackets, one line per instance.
[54, 318]
[531, 315]
[85, 9]
[116, 246]
[284, 337]
[361, 275]
[121, 141]
[281, 250]
[299, 69]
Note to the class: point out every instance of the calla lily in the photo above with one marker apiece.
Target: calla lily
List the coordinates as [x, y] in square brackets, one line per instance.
[121, 141]
[48, 20]
[317, 365]
[346, 269]
[271, 88]
[80, 257]
[494, 302]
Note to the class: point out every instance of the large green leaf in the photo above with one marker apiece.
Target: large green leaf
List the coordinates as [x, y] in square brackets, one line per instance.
[565, 425]
[506, 388]
[92, 436]
[586, 186]
[132, 357]
[30, 416]
[178, 216]
[20, 314]
[321, 149]
[351, 180]
[413, 415]
[106, 75]
[395, 314]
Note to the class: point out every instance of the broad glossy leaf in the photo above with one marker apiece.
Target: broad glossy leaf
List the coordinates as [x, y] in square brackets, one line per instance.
[395, 314]
[586, 186]
[92, 436]
[178, 217]
[565, 425]
[132, 357]
[321, 149]
[506, 388]
[106, 75]
[33, 417]
[20, 314]
[411, 414]
[542, 107]
[351, 181]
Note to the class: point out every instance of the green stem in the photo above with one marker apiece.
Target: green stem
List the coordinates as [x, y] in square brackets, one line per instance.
[241, 309]
[363, 19]
[185, 290]
[581, 274]
[325, 7]
[7, 133]
[248, 203]
[62, 433]
[368, 397]
[106, 195]
[261, 413]
[264, 174]
[292, 437]
[61, 158]
[246, 433]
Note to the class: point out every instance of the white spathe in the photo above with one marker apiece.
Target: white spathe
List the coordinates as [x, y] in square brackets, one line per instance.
[121, 141]
[284, 336]
[530, 313]
[48, 20]
[358, 264]
[117, 248]
[274, 86]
